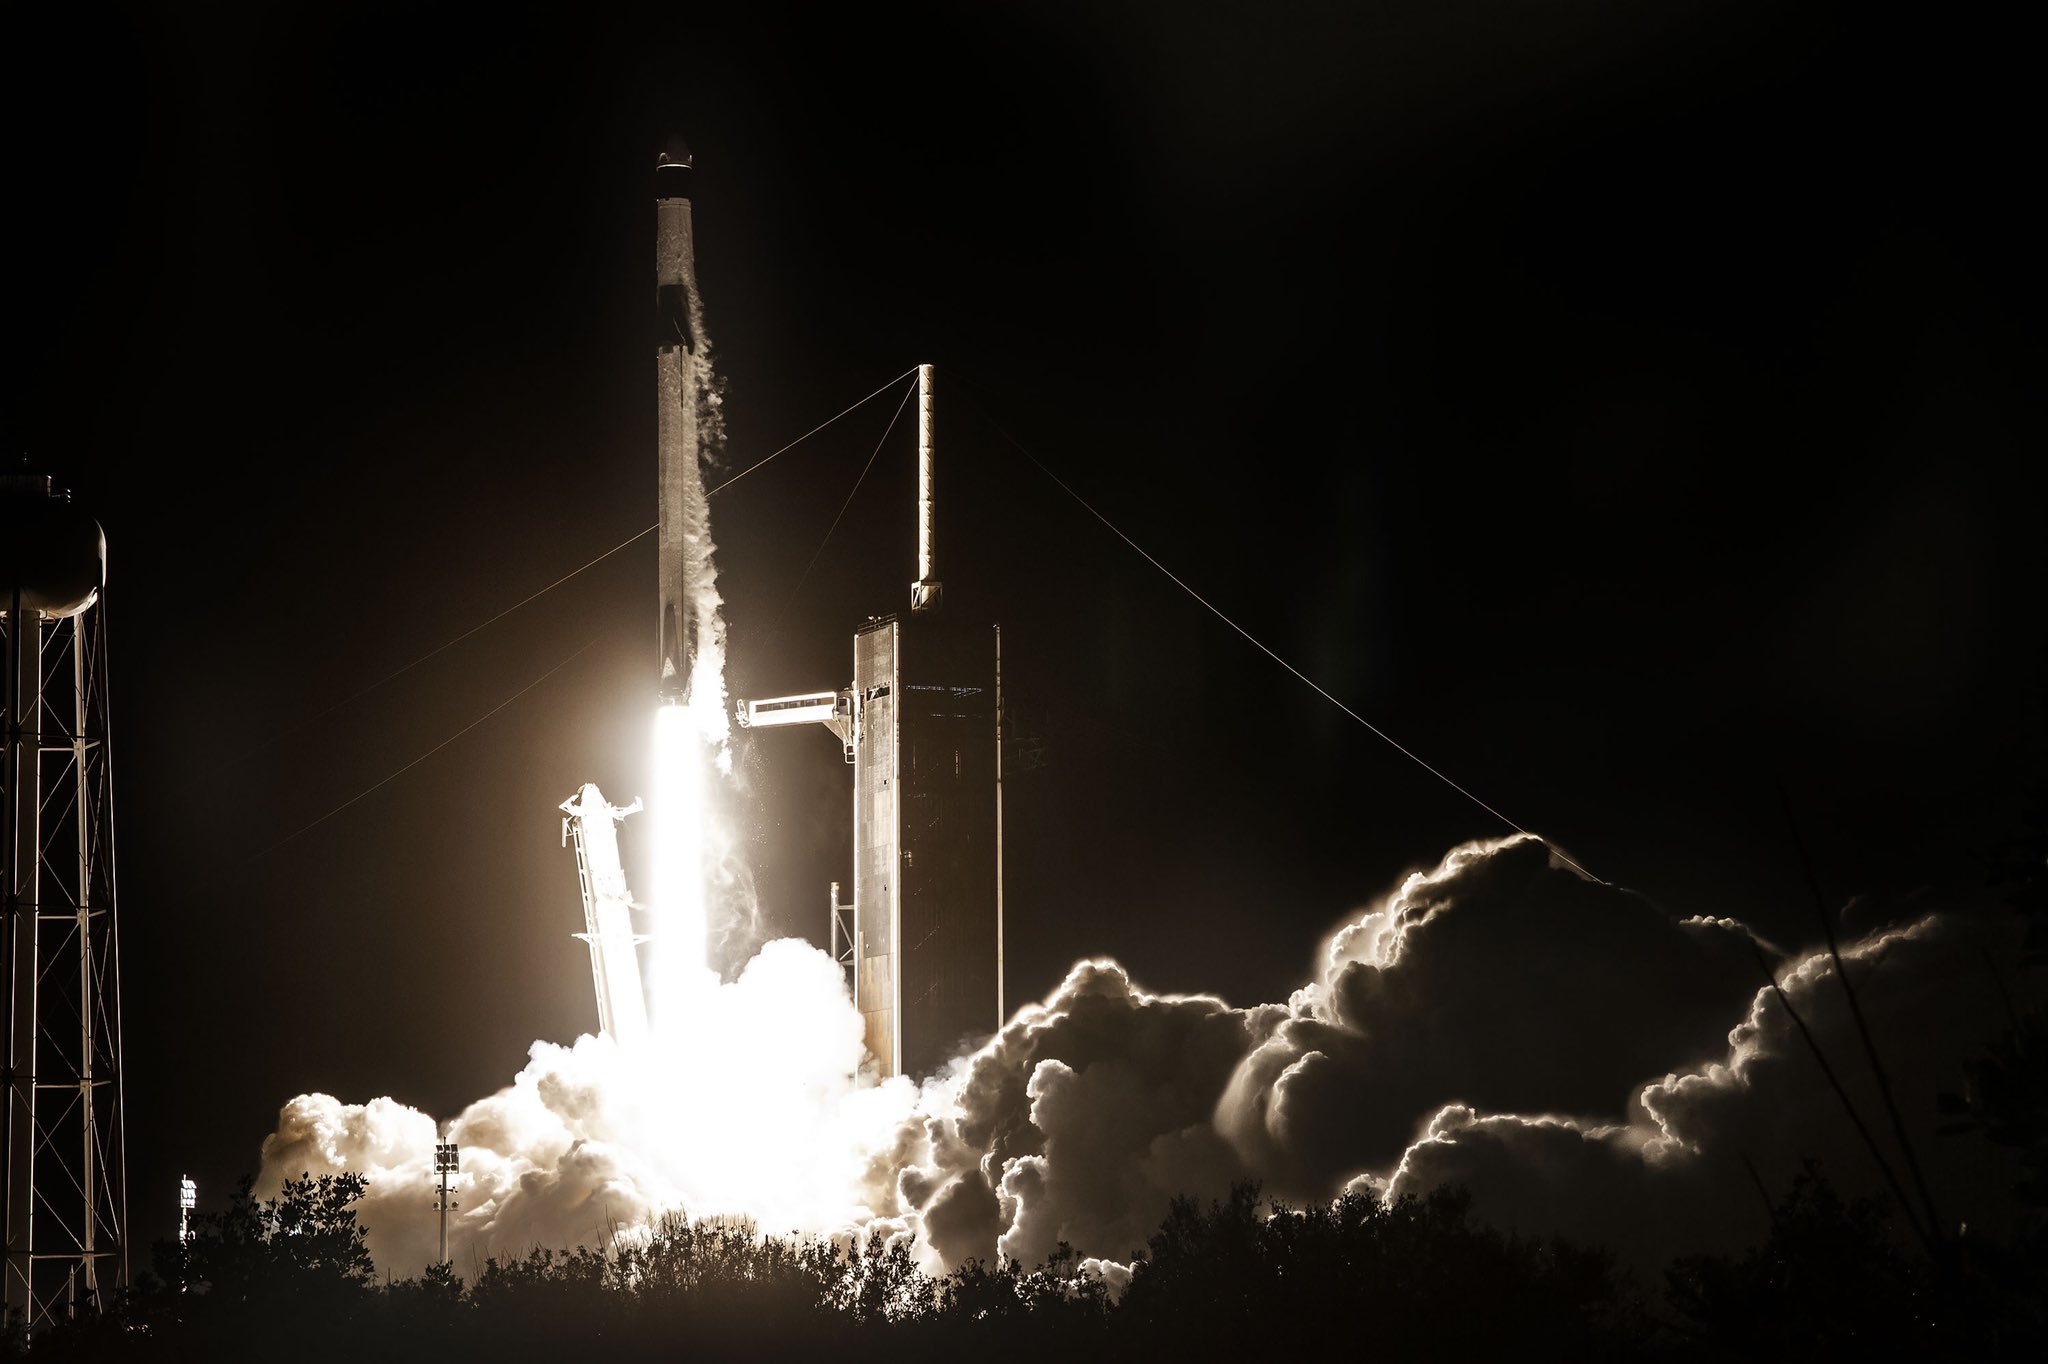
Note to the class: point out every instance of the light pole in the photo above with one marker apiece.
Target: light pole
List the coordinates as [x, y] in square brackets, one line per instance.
[447, 1161]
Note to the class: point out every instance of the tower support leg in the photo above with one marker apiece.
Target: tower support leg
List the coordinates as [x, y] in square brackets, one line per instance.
[22, 776]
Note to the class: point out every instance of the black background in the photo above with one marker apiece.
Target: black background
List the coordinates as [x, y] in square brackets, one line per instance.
[1630, 408]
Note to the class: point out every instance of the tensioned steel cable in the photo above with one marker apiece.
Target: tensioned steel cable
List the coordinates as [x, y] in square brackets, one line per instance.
[531, 597]
[449, 644]
[380, 785]
[805, 576]
[1260, 644]
[813, 431]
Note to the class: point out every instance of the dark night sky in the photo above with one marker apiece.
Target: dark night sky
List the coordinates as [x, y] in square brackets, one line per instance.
[1631, 408]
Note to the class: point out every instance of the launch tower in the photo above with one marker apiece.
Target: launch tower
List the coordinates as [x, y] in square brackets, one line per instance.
[919, 726]
[65, 1191]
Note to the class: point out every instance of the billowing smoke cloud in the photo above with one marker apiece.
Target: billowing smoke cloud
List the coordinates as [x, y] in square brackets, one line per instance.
[763, 1117]
[1685, 1167]
[1077, 1123]
[1501, 979]
[1581, 1060]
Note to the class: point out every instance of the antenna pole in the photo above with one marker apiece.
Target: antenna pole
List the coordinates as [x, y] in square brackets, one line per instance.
[924, 593]
[1000, 1012]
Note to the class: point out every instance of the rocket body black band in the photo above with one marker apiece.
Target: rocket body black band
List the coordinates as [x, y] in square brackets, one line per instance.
[671, 181]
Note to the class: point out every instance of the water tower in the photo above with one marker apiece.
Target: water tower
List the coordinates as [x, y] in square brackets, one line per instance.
[61, 1131]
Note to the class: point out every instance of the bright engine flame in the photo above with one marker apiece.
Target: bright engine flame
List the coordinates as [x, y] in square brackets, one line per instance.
[679, 816]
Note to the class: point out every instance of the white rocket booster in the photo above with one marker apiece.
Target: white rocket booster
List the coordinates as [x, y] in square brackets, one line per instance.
[685, 542]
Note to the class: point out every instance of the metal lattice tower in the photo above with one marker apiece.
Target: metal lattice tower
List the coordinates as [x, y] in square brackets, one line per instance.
[65, 1188]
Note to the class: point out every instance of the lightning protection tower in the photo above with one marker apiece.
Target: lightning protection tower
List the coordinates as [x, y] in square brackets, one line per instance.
[65, 1187]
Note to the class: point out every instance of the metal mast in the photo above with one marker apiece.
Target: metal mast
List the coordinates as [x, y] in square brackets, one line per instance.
[447, 1161]
[926, 591]
[1002, 1016]
[62, 1132]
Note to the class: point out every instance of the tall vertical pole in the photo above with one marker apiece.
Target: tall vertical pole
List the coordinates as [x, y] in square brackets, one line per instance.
[23, 834]
[893, 781]
[1001, 1013]
[88, 1095]
[107, 1193]
[447, 1160]
[924, 593]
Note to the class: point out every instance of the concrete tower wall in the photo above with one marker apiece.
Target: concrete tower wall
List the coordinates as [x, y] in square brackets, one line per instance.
[877, 840]
[924, 840]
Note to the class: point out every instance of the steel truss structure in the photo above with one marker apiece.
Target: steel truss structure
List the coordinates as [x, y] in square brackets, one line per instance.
[66, 1197]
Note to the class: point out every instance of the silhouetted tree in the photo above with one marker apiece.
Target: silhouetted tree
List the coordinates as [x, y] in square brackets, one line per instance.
[1411, 1278]
[302, 1251]
[1408, 1279]
[2005, 1095]
[1831, 1277]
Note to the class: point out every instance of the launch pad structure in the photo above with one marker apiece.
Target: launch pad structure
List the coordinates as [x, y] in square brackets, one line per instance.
[920, 725]
[62, 1129]
[607, 916]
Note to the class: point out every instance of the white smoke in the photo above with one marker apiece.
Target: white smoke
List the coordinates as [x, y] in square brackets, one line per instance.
[706, 695]
[761, 1115]
[732, 901]
[1500, 979]
[1580, 1060]
[1684, 1165]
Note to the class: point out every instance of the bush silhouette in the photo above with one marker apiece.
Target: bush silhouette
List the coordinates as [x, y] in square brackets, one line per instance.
[1414, 1278]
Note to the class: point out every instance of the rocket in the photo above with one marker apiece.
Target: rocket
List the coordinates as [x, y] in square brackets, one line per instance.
[684, 538]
